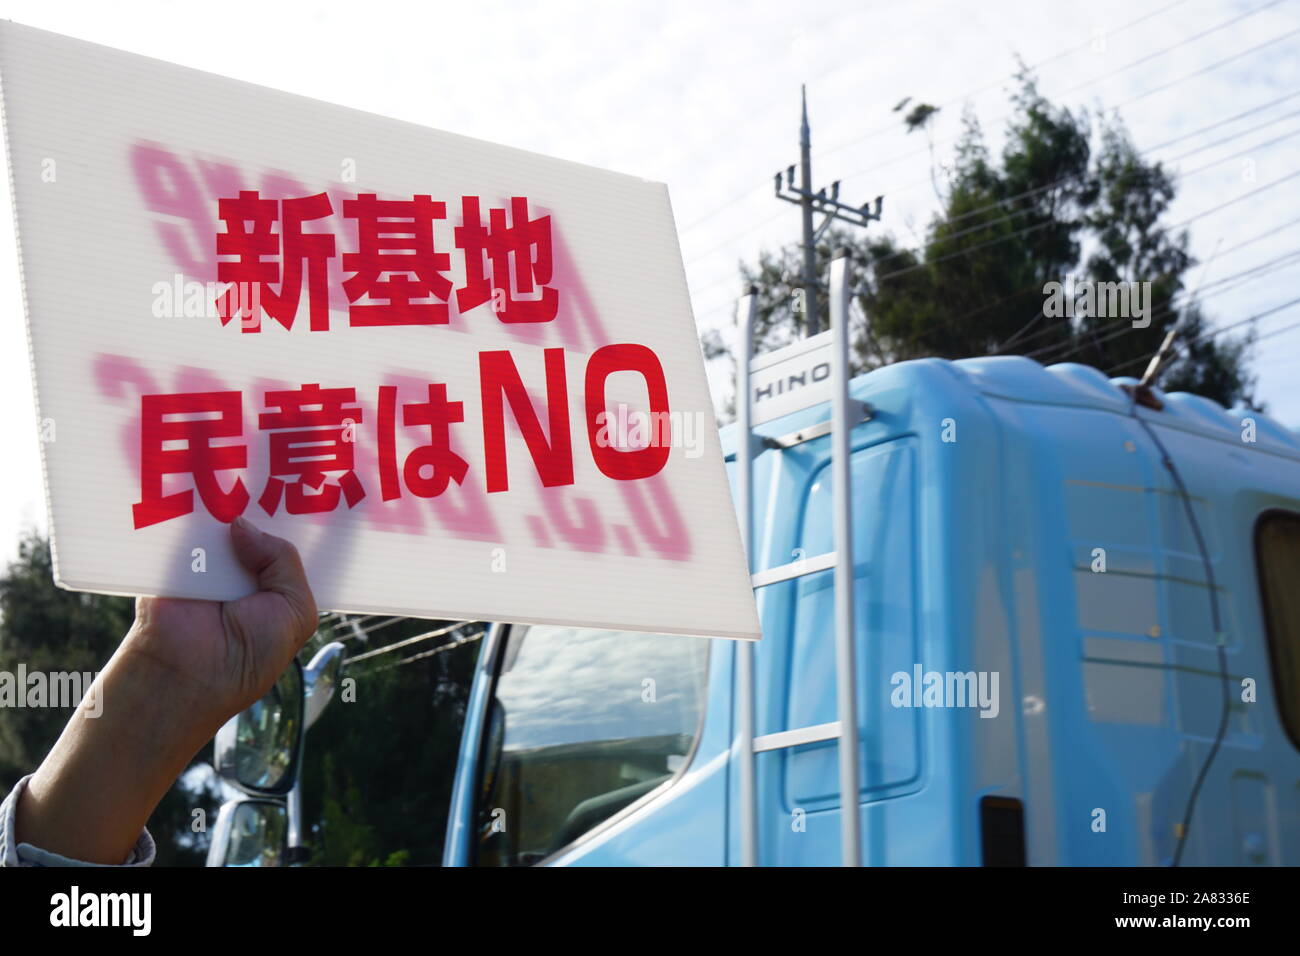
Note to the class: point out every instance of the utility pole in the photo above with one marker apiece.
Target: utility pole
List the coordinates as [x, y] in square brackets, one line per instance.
[806, 213]
[818, 202]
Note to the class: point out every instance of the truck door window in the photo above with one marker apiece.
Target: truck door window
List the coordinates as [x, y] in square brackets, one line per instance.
[582, 724]
[885, 545]
[1277, 555]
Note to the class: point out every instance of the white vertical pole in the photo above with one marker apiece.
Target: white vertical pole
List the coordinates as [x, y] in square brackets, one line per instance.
[745, 649]
[845, 662]
[294, 811]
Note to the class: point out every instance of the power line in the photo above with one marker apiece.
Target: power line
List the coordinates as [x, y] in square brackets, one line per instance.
[1064, 324]
[1224, 122]
[1051, 222]
[1169, 49]
[383, 624]
[1096, 79]
[1235, 200]
[1279, 262]
[1032, 286]
[429, 635]
[1213, 332]
[343, 622]
[1179, 225]
[349, 628]
[1228, 139]
[1226, 284]
[1070, 348]
[450, 645]
[1147, 151]
[1141, 152]
[1218, 162]
[962, 96]
[1199, 72]
[834, 68]
[968, 250]
[1220, 638]
[1038, 314]
[1058, 182]
[1146, 93]
[1234, 282]
[1242, 152]
[1285, 328]
[1206, 69]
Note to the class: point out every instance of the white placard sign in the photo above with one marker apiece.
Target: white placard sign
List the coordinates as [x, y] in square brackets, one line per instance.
[791, 378]
[464, 379]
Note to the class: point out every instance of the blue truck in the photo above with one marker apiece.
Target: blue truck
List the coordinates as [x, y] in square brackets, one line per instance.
[1039, 679]
[1075, 641]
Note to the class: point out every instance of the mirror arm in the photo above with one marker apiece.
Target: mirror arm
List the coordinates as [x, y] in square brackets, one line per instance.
[295, 817]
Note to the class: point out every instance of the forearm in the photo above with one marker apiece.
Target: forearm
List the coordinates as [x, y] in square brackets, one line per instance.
[183, 670]
[94, 792]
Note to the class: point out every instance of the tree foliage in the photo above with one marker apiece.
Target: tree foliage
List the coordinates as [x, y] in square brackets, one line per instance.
[1069, 195]
[379, 765]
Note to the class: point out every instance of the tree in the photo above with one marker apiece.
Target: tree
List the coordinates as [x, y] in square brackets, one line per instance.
[1068, 197]
[379, 765]
[394, 737]
[46, 629]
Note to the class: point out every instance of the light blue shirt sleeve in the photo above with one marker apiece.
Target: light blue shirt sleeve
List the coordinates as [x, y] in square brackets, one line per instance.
[24, 854]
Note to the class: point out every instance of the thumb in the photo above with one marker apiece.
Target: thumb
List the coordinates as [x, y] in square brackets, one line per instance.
[276, 565]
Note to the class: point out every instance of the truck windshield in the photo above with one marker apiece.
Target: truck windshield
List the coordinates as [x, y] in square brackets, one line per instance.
[582, 723]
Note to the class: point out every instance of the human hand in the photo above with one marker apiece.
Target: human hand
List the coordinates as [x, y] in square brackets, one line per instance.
[184, 669]
[229, 653]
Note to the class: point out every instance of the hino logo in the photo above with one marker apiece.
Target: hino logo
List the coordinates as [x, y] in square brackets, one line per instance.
[791, 378]
[789, 382]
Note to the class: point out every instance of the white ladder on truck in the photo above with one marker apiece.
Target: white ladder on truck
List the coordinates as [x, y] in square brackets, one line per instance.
[845, 413]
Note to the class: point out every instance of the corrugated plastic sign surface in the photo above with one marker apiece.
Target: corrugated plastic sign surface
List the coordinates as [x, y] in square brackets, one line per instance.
[464, 379]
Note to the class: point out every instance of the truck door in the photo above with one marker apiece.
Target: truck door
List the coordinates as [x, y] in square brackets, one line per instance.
[798, 788]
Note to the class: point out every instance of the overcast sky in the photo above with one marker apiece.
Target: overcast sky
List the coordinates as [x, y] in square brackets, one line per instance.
[705, 95]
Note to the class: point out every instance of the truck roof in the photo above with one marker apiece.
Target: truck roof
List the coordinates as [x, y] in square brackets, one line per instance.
[1019, 379]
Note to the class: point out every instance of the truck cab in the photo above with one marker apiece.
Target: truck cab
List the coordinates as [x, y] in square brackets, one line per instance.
[1038, 677]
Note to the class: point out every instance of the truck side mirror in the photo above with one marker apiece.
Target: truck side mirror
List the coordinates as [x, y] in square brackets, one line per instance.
[258, 749]
[320, 679]
[249, 832]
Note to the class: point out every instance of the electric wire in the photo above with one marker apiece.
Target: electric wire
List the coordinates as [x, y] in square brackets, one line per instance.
[1220, 638]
